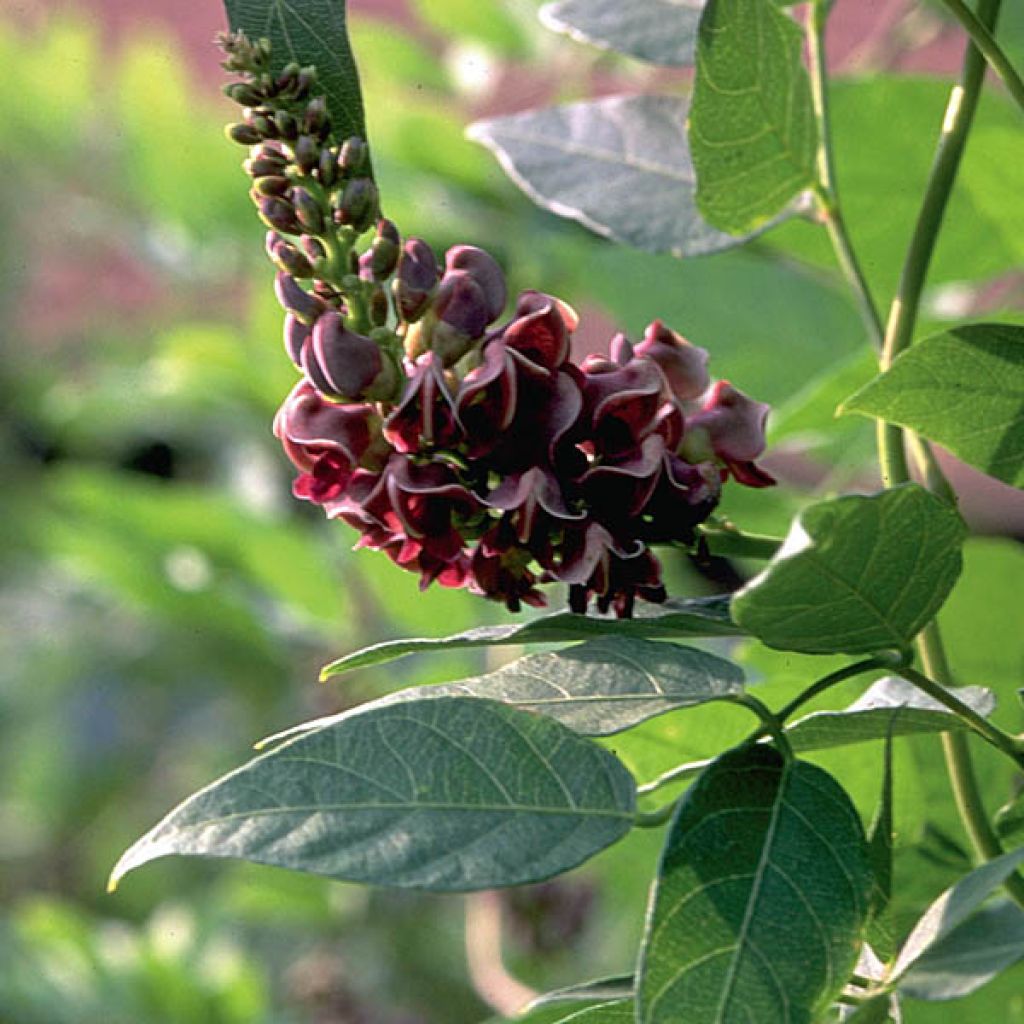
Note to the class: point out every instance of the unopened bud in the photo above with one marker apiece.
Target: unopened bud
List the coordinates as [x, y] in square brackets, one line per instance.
[462, 312]
[358, 205]
[730, 423]
[288, 78]
[244, 134]
[287, 125]
[287, 258]
[328, 167]
[296, 300]
[295, 335]
[304, 82]
[271, 185]
[684, 365]
[267, 163]
[343, 364]
[264, 125]
[353, 155]
[313, 248]
[315, 121]
[279, 214]
[243, 94]
[415, 279]
[484, 270]
[307, 153]
[378, 262]
[307, 211]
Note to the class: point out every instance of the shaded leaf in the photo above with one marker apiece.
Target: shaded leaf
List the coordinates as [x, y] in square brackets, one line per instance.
[761, 896]
[309, 32]
[659, 31]
[856, 574]
[874, 1011]
[696, 617]
[617, 1012]
[620, 166]
[963, 388]
[451, 795]
[954, 907]
[891, 706]
[752, 129]
[970, 955]
[620, 986]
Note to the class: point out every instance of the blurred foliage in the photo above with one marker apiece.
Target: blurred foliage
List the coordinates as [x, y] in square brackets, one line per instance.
[165, 603]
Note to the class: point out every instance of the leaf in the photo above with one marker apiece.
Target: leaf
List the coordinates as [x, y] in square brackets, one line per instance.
[752, 129]
[659, 31]
[856, 574]
[890, 705]
[600, 687]
[963, 388]
[880, 834]
[450, 795]
[310, 32]
[620, 986]
[954, 907]
[968, 956]
[874, 1011]
[617, 1012]
[760, 899]
[620, 166]
[694, 617]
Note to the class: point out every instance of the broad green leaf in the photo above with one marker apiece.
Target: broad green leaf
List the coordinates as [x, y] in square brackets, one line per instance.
[752, 129]
[964, 389]
[602, 686]
[880, 834]
[450, 795]
[696, 617]
[969, 955]
[597, 688]
[309, 32]
[761, 897]
[620, 166]
[621, 986]
[856, 574]
[954, 907]
[659, 31]
[617, 1012]
[889, 706]
[874, 1011]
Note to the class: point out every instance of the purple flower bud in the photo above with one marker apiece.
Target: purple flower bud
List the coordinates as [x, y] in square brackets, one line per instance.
[288, 259]
[352, 157]
[244, 134]
[296, 333]
[379, 261]
[684, 365]
[327, 169]
[345, 365]
[460, 307]
[541, 328]
[315, 120]
[307, 211]
[416, 279]
[621, 349]
[730, 423]
[358, 204]
[296, 300]
[279, 214]
[483, 268]
[287, 125]
[307, 153]
[271, 185]
[244, 94]
[313, 248]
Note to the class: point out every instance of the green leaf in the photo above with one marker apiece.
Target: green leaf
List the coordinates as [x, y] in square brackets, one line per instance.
[889, 706]
[880, 834]
[874, 1011]
[617, 1012]
[752, 128]
[621, 986]
[970, 955]
[696, 617]
[761, 896]
[619, 166]
[953, 908]
[856, 574]
[450, 795]
[963, 388]
[659, 31]
[310, 32]
[597, 688]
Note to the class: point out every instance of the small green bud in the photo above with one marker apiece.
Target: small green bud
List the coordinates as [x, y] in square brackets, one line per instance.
[379, 306]
[287, 80]
[328, 168]
[308, 211]
[287, 125]
[264, 125]
[243, 94]
[315, 120]
[304, 82]
[271, 185]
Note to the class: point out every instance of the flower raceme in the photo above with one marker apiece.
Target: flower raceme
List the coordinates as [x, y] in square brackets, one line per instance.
[472, 450]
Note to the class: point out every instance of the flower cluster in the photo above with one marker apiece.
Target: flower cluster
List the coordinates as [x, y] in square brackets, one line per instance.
[472, 449]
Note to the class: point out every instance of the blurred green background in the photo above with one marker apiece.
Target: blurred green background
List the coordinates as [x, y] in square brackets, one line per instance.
[165, 602]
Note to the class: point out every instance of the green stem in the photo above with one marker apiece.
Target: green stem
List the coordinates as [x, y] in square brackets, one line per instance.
[654, 819]
[827, 682]
[985, 41]
[728, 541]
[826, 190]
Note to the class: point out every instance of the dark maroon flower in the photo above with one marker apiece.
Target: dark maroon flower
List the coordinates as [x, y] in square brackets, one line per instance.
[527, 497]
[541, 329]
[345, 365]
[623, 404]
[486, 400]
[308, 426]
[684, 365]
[426, 414]
[499, 570]
[729, 425]
[619, 488]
